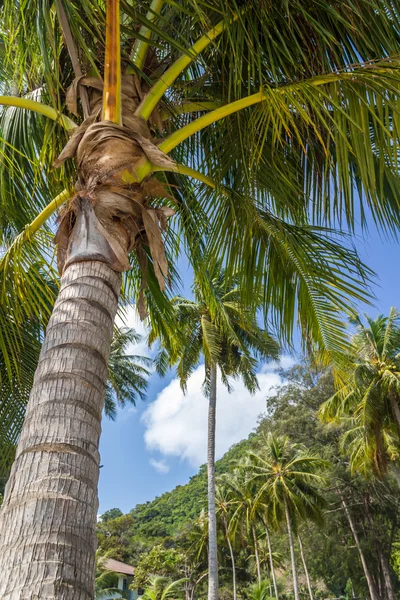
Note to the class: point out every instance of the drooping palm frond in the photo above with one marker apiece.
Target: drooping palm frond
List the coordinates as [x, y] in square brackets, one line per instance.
[215, 325]
[289, 475]
[368, 397]
[288, 112]
[162, 588]
[127, 373]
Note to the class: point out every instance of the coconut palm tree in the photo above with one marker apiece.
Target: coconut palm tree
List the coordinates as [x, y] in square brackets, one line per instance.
[289, 476]
[254, 123]
[127, 373]
[162, 588]
[245, 518]
[224, 504]
[368, 398]
[214, 325]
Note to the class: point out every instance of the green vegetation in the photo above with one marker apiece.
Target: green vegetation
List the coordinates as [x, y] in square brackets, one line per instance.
[216, 327]
[290, 431]
[246, 134]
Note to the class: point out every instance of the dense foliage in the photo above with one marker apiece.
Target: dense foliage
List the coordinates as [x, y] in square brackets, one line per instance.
[175, 521]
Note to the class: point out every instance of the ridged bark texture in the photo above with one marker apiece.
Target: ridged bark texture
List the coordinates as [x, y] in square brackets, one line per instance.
[48, 518]
[292, 554]
[212, 518]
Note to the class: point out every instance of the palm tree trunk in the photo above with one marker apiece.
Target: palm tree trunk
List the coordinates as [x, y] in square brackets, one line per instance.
[256, 554]
[292, 555]
[212, 518]
[387, 576]
[48, 517]
[395, 410]
[305, 568]
[370, 581]
[271, 561]
[232, 560]
[382, 553]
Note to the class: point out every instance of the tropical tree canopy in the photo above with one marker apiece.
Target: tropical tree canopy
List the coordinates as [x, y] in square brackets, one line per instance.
[290, 476]
[216, 326]
[368, 399]
[272, 116]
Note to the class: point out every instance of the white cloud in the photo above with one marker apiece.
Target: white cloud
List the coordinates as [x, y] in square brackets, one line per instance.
[176, 424]
[159, 465]
[130, 318]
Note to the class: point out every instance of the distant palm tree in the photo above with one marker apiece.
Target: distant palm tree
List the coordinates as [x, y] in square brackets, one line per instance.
[245, 517]
[289, 476]
[368, 398]
[127, 373]
[162, 588]
[215, 325]
[105, 584]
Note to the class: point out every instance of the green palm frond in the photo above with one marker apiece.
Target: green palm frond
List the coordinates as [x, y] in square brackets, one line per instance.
[127, 374]
[218, 326]
[315, 144]
[288, 474]
[368, 397]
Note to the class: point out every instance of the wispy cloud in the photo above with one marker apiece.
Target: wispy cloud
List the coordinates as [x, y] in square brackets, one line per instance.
[159, 465]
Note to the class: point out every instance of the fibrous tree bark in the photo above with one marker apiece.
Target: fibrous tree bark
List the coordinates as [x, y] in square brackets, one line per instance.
[48, 518]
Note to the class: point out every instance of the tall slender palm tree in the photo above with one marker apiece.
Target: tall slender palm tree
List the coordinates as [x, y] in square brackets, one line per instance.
[224, 506]
[289, 475]
[368, 398]
[245, 518]
[215, 325]
[172, 106]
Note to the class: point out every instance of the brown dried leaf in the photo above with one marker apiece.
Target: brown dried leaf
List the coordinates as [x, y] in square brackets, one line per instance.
[156, 245]
[71, 146]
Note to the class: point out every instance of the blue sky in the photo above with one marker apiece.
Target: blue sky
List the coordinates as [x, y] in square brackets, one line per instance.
[161, 443]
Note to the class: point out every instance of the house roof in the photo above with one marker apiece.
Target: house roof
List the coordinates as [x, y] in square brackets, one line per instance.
[118, 567]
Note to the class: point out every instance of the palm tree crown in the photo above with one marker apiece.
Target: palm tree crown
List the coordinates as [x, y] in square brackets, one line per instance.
[261, 109]
[215, 325]
[368, 398]
[288, 475]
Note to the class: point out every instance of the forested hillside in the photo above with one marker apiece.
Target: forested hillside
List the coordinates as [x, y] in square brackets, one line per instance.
[174, 525]
[166, 515]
